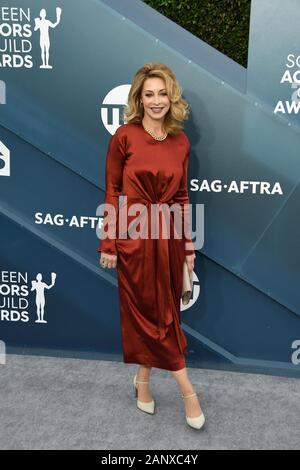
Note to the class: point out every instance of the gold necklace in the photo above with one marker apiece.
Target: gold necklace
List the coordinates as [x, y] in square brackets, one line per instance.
[154, 135]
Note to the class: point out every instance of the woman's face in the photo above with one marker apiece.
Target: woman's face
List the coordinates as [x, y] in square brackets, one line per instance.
[155, 98]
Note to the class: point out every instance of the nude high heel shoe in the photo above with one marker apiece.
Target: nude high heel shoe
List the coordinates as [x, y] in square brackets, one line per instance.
[148, 407]
[198, 421]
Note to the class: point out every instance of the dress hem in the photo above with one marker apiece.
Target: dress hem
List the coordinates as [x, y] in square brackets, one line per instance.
[177, 365]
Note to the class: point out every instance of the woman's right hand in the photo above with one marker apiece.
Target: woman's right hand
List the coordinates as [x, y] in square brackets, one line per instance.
[108, 261]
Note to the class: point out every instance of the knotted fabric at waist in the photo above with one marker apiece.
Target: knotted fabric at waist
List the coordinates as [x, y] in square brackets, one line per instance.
[172, 226]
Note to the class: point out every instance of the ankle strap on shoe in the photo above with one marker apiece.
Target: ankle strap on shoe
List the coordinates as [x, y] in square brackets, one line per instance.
[188, 396]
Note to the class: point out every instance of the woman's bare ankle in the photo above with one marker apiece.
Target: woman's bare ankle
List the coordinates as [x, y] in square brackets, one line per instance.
[144, 372]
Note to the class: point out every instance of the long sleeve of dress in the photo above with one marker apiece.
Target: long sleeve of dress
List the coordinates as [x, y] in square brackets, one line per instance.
[182, 197]
[115, 159]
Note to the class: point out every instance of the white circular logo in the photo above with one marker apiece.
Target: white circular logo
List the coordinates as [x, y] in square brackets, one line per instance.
[112, 105]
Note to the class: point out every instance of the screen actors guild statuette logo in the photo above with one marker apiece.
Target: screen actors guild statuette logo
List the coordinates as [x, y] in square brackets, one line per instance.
[42, 24]
[39, 286]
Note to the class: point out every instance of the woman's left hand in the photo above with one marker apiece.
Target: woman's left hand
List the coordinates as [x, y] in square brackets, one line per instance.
[190, 262]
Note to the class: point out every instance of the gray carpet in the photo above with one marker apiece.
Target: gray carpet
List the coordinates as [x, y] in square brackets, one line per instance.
[67, 403]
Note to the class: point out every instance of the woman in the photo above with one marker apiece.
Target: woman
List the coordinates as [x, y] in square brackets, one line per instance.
[147, 161]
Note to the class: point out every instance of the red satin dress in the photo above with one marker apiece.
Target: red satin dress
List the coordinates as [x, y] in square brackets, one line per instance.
[148, 172]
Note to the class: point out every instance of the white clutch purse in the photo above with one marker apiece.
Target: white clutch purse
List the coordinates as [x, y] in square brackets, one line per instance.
[187, 285]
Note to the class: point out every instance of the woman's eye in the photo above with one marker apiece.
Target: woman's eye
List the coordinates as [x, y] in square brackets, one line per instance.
[148, 96]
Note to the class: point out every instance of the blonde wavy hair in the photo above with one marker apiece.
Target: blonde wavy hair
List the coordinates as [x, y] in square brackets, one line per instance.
[179, 108]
